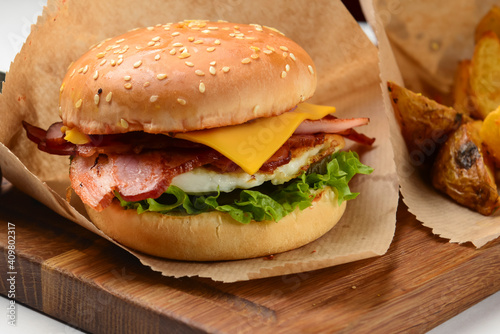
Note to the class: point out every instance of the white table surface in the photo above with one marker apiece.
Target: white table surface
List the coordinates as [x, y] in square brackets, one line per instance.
[16, 16]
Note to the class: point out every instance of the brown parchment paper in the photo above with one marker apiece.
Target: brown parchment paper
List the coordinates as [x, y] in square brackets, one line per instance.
[420, 45]
[348, 78]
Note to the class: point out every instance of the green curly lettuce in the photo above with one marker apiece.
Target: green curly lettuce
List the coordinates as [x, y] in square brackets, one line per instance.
[265, 202]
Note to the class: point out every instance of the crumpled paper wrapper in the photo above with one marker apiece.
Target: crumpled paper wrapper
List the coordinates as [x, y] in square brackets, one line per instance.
[347, 69]
[420, 45]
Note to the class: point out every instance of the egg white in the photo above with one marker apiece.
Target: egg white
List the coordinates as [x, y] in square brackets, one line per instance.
[202, 180]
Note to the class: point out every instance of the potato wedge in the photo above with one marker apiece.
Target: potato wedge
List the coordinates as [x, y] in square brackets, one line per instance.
[425, 124]
[485, 74]
[490, 134]
[489, 22]
[464, 172]
[462, 101]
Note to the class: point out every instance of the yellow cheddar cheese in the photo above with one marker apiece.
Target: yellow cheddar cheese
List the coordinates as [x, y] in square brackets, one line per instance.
[76, 137]
[251, 144]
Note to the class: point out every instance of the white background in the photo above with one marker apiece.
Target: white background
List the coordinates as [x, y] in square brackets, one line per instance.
[16, 17]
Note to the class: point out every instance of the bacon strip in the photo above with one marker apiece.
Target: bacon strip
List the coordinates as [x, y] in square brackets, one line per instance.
[134, 176]
[330, 124]
[52, 141]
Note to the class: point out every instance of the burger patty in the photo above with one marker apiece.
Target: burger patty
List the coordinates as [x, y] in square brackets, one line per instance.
[148, 174]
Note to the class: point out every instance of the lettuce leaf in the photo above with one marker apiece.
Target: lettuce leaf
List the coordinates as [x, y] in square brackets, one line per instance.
[266, 202]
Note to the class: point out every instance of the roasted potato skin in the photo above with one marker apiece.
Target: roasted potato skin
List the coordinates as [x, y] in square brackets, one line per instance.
[490, 22]
[464, 172]
[425, 124]
[462, 100]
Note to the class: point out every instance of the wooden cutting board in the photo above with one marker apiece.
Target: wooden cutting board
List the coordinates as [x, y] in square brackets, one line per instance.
[71, 274]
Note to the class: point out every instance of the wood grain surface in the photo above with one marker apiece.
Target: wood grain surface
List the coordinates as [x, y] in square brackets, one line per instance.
[87, 282]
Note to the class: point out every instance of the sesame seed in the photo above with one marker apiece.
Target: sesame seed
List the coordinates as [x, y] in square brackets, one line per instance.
[183, 49]
[109, 97]
[155, 39]
[246, 61]
[213, 28]
[127, 78]
[78, 103]
[161, 76]
[202, 87]
[213, 63]
[101, 55]
[199, 72]
[96, 75]
[153, 98]
[184, 55]
[267, 52]
[255, 109]
[138, 47]
[206, 31]
[232, 34]
[254, 56]
[212, 70]
[176, 45]
[198, 41]
[270, 48]
[172, 52]
[61, 88]
[113, 62]
[217, 42]
[120, 56]
[72, 73]
[124, 123]
[310, 69]
[80, 70]
[283, 48]
[120, 40]
[119, 61]
[191, 38]
[96, 99]
[128, 85]
[103, 62]
[225, 69]
[287, 67]
[181, 101]
[283, 74]
[292, 56]
[85, 69]
[151, 43]
[167, 28]
[150, 28]
[99, 91]
[188, 63]
[137, 64]
[258, 28]
[157, 57]
[176, 33]
[210, 49]
[255, 48]
[146, 84]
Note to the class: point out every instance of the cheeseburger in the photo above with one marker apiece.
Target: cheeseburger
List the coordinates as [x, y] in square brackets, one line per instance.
[192, 141]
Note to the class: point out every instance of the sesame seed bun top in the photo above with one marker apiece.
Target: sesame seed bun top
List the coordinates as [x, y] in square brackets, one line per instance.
[185, 76]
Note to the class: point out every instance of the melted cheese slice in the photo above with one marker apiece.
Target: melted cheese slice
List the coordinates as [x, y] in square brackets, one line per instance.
[251, 144]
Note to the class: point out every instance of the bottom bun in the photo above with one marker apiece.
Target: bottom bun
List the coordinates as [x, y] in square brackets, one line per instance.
[215, 236]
